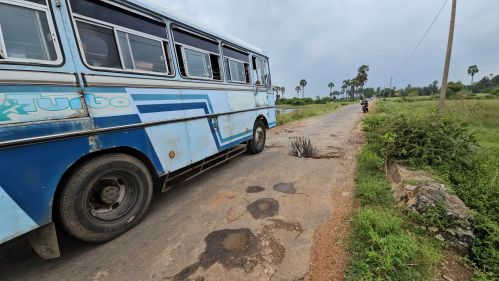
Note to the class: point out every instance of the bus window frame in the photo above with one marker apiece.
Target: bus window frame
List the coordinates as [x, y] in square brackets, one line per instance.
[165, 42]
[115, 28]
[230, 73]
[208, 37]
[47, 9]
[265, 62]
[183, 47]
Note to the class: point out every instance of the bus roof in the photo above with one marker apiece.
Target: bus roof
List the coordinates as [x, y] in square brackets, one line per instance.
[169, 13]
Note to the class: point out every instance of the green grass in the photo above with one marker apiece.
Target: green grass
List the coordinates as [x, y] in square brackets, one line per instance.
[307, 111]
[383, 245]
[461, 148]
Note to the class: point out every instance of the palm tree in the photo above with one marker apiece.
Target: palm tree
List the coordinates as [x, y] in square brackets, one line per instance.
[331, 86]
[298, 90]
[344, 86]
[362, 76]
[472, 70]
[277, 89]
[303, 84]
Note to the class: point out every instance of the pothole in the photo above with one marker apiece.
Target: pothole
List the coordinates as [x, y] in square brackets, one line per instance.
[287, 188]
[263, 208]
[255, 189]
[236, 248]
[230, 247]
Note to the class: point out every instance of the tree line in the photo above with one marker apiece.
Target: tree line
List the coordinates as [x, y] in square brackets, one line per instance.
[354, 88]
[351, 88]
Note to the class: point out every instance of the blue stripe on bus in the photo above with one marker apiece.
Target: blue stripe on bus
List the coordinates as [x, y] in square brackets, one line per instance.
[21, 131]
[169, 97]
[121, 120]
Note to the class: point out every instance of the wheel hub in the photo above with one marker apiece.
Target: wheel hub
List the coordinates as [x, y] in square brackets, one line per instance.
[110, 194]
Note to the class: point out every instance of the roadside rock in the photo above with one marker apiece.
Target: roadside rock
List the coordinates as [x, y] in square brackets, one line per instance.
[455, 224]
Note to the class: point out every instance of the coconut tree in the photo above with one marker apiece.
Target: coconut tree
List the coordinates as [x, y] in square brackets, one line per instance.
[303, 84]
[472, 71]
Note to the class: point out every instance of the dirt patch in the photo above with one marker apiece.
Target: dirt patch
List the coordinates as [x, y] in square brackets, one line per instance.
[454, 268]
[255, 189]
[270, 146]
[330, 257]
[263, 208]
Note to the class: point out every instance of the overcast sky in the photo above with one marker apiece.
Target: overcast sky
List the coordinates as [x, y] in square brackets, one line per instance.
[327, 40]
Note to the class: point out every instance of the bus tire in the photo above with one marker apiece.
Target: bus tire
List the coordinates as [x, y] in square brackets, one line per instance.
[257, 143]
[105, 197]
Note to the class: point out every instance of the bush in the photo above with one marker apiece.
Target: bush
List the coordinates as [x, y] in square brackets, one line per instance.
[445, 145]
[433, 140]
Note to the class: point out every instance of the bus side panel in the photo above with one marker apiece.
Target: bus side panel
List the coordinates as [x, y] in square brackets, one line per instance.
[167, 144]
[170, 141]
[271, 114]
[21, 104]
[29, 176]
[206, 135]
[242, 123]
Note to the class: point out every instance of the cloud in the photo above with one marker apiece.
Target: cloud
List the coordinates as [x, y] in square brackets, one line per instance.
[326, 40]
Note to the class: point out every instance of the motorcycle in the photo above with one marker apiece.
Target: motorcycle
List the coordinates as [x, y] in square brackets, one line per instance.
[365, 106]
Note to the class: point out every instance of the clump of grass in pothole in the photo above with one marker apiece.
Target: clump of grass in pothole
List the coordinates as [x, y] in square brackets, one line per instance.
[303, 148]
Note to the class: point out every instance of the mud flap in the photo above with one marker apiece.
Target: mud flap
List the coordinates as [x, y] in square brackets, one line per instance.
[44, 242]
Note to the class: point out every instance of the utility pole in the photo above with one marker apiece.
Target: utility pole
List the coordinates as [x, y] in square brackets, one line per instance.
[390, 92]
[443, 91]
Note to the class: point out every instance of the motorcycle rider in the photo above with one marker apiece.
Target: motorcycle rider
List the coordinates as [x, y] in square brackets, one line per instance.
[365, 105]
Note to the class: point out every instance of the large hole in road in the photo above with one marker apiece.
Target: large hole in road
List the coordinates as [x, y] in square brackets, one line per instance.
[263, 208]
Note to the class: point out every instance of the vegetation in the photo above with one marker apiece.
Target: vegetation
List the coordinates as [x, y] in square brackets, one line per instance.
[305, 108]
[383, 244]
[460, 146]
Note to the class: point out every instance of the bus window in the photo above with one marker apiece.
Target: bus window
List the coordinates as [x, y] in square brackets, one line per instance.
[113, 38]
[236, 65]
[198, 56]
[237, 71]
[26, 34]
[261, 71]
[141, 53]
[99, 45]
[197, 64]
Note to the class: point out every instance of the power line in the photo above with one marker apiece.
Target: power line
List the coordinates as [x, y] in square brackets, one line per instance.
[421, 41]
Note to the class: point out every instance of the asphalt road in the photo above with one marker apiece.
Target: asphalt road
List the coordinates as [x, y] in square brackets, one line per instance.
[253, 218]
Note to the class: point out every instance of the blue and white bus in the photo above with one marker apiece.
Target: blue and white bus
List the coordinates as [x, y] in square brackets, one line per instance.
[101, 98]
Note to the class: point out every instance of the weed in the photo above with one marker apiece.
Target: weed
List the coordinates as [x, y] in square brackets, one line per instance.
[303, 148]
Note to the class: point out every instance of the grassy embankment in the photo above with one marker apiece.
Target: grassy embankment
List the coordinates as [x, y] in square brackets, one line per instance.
[461, 148]
[306, 111]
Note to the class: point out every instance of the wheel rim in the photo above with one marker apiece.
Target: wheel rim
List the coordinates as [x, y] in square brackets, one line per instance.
[112, 196]
[259, 137]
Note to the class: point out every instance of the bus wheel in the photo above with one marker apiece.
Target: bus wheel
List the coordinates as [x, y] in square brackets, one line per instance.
[257, 143]
[105, 197]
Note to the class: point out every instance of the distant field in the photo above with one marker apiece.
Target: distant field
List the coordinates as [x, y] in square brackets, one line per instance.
[294, 113]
